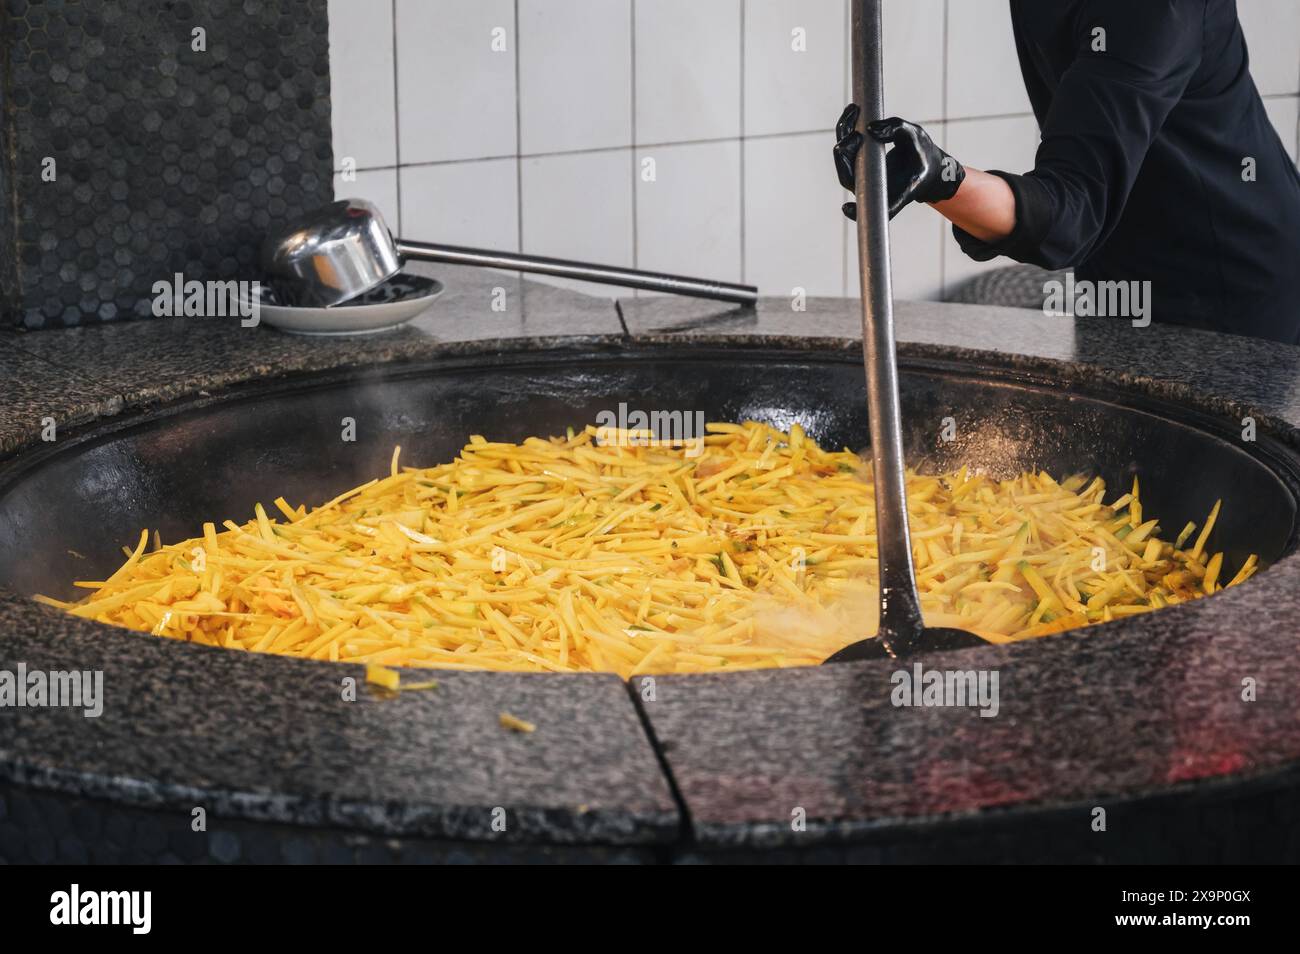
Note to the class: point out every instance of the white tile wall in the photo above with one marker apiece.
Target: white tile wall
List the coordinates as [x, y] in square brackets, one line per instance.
[579, 205]
[794, 233]
[687, 70]
[377, 185]
[455, 79]
[1284, 111]
[1272, 29]
[362, 83]
[688, 216]
[914, 65]
[462, 203]
[1006, 143]
[916, 243]
[575, 75]
[983, 71]
[542, 141]
[794, 65]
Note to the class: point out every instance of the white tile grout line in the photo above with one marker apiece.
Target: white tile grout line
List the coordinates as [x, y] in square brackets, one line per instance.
[519, 162]
[632, 118]
[943, 46]
[740, 147]
[397, 137]
[758, 137]
[645, 145]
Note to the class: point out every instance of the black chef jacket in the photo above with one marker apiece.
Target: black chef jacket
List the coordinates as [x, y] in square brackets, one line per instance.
[1139, 175]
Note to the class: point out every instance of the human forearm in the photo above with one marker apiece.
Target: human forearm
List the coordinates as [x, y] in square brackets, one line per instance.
[984, 206]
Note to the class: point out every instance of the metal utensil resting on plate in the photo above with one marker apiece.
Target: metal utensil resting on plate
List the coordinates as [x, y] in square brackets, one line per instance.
[344, 249]
[902, 632]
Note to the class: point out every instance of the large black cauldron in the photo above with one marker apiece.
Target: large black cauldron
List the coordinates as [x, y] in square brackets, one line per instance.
[265, 744]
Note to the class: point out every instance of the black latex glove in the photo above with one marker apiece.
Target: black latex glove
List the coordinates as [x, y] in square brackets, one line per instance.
[916, 170]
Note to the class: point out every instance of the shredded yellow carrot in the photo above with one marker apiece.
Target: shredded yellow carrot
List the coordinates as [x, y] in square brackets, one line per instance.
[607, 551]
[516, 724]
[384, 677]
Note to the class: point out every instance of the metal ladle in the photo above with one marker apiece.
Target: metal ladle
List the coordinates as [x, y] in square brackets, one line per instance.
[344, 250]
[902, 632]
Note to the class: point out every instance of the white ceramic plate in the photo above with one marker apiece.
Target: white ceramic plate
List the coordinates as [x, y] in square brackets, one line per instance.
[393, 303]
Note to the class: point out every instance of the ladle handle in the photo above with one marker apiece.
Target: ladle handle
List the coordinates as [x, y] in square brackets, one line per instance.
[605, 274]
[900, 608]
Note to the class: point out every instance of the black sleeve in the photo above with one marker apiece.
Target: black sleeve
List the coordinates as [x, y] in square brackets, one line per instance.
[1107, 110]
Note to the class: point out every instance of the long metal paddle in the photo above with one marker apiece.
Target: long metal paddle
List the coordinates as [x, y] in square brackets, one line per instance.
[902, 631]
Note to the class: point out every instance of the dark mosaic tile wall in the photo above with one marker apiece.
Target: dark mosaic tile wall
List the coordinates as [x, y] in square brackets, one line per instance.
[168, 159]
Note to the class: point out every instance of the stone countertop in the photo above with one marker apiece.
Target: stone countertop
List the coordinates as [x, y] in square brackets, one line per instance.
[1223, 372]
[1131, 708]
[284, 740]
[92, 371]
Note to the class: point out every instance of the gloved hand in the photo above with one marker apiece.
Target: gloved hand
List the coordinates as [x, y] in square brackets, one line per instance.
[916, 170]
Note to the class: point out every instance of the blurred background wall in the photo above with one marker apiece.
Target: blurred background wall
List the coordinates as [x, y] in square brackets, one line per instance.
[527, 124]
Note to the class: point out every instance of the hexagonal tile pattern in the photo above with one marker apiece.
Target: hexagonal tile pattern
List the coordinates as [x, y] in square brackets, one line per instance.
[168, 154]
